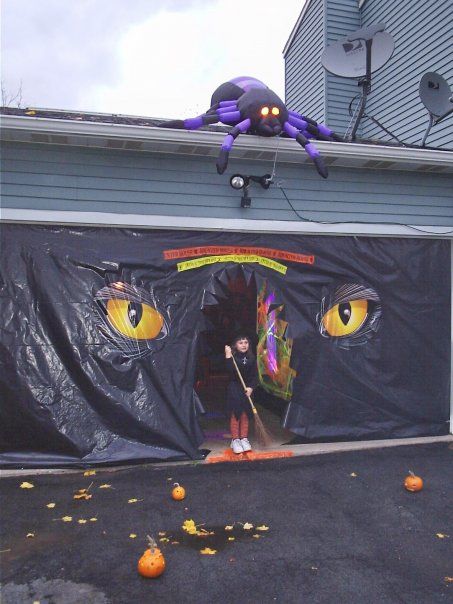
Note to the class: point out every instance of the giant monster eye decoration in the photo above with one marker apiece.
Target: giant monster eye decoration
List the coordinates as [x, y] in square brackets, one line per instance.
[350, 316]
[128, 317]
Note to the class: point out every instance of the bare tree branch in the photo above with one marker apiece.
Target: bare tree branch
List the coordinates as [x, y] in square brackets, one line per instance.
[9, 99]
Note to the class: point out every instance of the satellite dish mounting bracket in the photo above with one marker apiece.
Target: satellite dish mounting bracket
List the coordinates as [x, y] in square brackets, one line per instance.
[365, 83]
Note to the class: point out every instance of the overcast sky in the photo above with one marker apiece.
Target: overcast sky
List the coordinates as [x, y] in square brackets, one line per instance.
[155, 58]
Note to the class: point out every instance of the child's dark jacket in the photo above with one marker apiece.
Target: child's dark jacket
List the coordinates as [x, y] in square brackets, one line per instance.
[236, 400]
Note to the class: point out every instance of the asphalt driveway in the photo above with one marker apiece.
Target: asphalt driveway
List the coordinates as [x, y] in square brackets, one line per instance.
[331, 529]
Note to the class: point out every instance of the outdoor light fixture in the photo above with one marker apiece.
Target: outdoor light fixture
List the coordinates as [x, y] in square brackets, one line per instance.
[238, 181]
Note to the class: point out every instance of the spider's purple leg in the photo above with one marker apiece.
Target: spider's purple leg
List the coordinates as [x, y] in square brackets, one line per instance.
[307, 129]
[222, 160]
[192, 123]
[309, 147]
[319, 131]
[228, 113]
[213, 115]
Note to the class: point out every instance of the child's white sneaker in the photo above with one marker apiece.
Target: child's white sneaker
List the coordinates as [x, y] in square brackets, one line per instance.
[246, 446]
[236, 445]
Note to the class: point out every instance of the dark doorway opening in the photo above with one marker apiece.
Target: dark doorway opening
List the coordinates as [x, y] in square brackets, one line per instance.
[232, 311]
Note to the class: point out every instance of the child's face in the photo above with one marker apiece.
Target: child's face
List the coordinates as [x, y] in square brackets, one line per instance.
[242, 345]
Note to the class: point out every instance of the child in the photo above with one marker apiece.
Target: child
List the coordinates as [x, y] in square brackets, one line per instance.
[237, 403]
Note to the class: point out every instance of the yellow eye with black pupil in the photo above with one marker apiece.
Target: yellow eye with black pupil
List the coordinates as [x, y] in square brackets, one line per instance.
[346, 318]
[275, 111]
[134, 320]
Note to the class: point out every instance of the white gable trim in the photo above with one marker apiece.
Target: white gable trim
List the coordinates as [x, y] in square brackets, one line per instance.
[296, 27]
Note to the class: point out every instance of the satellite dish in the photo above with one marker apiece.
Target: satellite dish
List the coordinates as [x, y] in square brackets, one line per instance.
[437, 97]
[347, 57]
[435, 94]
[357, 56]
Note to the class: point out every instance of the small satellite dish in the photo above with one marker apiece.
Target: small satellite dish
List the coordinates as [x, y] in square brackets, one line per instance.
[435, 94]
[437, 97]
[347, 57]
[357, 56]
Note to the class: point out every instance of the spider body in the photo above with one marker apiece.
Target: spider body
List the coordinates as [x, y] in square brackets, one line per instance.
[251, 107]
[251, 96]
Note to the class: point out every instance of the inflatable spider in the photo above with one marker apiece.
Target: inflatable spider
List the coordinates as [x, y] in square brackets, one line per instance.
[250, 106]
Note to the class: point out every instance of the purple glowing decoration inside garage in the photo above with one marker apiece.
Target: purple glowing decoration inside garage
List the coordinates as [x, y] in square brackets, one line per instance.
[251, 107]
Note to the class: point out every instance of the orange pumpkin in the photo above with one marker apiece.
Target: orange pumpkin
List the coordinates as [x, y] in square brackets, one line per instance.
[178, 492]
[152, 563]
[413, 483]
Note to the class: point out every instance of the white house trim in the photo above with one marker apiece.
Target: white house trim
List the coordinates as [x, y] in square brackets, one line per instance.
[296, 27]
[220, 224]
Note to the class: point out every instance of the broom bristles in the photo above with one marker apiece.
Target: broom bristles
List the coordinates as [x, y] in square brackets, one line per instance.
[262, 435]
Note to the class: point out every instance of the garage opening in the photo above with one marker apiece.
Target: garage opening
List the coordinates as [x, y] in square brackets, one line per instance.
[231, 310]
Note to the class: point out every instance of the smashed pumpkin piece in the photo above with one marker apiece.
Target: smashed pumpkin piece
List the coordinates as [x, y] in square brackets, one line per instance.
[67, 518]
[82, 521]
[50, 505]
[105, 486]
[208, 551]
[27, 485]
[132, 536]
[30, 535]
[442, 535]
[229, 527]
[247, 526]
[263, 527]
[89, 473]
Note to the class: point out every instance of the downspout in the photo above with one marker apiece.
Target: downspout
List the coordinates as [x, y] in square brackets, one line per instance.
[451, 338]
[325, 119]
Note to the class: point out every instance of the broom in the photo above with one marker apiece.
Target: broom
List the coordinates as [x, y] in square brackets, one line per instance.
[263, 436]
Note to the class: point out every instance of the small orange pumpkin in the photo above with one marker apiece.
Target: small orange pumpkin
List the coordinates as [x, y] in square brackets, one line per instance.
[152, 563]
[413, 483]
[178, 492]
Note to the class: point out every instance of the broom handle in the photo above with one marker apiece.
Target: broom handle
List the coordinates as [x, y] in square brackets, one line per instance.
[244, 386]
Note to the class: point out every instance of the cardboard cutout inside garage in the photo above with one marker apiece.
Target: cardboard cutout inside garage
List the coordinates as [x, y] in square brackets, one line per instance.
[102, 331]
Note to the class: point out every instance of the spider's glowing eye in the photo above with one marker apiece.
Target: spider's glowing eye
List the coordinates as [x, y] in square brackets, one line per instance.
[134, 319]
[346, 318]
[265, 111]
[275, 111]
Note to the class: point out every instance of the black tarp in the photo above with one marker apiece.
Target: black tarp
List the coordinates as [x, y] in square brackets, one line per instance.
[80, 383]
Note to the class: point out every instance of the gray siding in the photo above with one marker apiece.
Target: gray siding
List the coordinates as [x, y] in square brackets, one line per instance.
[309, 88]
[422, 31]
[342, 17]
[423, 42]
[304, 74]
[58, 178]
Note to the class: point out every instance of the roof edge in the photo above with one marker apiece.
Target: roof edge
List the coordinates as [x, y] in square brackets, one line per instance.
[293, 33]
[28, 130]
